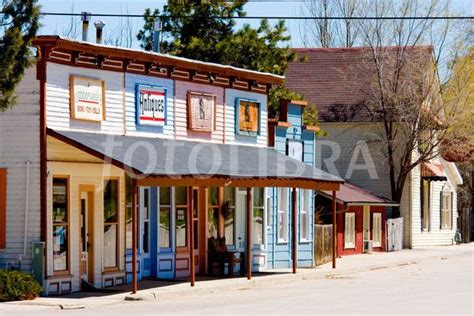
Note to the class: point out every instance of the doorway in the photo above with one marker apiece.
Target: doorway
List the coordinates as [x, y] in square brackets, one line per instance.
[144, 211]
[86, 241]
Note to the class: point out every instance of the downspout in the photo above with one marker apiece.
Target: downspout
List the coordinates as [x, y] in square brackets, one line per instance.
[25, 230]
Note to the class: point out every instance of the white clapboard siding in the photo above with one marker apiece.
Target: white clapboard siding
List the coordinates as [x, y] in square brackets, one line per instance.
[230, 100]
[181, 113]
[57, 99]
[435, 235]
[88, 174]
[19, 143]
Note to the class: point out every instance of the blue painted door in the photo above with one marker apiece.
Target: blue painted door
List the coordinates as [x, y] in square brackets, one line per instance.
[165, 234]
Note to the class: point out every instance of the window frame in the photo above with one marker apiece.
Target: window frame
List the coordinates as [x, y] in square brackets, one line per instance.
[283, 192]
[68, 215]
[379, 243]
[425, 211]
[347, 216]
[117, 223]
[306, 206]
[262, 208]
[233, 245]
[170, 210]
[446, 212]
[186, 206]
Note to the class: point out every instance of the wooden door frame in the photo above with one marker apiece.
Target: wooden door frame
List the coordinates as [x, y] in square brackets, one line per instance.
[90, 191]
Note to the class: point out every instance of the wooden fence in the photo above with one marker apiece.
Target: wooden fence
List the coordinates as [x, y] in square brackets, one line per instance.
[395, 234]
[322, 244]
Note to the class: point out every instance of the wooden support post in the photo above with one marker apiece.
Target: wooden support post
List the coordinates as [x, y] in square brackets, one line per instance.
[334, 242]
[134, 235]
[190, 224]
[294, 250]
[249, 234]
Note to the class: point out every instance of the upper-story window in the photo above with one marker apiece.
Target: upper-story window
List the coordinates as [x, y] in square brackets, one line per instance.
[247, 118]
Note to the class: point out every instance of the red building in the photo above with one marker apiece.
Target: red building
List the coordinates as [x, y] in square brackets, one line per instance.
[361, 218]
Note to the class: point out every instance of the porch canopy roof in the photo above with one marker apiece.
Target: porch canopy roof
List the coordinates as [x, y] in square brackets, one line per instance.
[165, 162]
[351, 194]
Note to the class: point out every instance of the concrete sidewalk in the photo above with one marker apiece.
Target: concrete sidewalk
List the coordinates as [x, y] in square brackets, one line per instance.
[345, 265]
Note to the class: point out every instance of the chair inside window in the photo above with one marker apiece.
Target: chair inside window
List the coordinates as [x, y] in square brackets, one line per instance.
[219, 256]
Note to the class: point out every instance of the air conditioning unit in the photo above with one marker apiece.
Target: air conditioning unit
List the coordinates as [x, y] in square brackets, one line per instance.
[368, 246]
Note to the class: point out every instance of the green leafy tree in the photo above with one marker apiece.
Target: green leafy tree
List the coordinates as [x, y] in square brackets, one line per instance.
[206, 31]
[20, 22]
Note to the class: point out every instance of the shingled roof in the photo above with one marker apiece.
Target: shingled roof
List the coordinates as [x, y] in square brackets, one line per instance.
[340, 81]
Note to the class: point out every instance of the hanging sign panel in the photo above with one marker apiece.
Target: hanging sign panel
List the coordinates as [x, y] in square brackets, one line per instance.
[87, 99]
[248, 117]
[151, 105]
[201, 108]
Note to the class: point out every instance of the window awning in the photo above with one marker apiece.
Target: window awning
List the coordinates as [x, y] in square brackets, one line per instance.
[433, 171]
[165, 162]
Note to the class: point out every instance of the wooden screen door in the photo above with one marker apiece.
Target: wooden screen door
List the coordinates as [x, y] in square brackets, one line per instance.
[86, 223]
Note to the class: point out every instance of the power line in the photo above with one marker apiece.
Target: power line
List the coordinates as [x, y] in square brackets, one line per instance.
[119, 15]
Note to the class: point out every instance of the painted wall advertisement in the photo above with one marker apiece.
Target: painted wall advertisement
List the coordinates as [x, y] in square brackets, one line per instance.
[201, 108]
[151, 105]
[249, 116]
[87, 99]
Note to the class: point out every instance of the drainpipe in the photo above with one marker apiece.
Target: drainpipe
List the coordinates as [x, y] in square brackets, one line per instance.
[27, 194]
[85, 18]
[157, 26]
[99, 26]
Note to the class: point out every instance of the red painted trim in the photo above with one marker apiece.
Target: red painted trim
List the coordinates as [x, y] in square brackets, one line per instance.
[157, 119]
[41, 76]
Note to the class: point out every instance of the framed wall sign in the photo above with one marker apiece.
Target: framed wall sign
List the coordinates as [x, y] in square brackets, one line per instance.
[294, 149]
[248, 117]
[150, 105]
[201, 111]
[87, 98]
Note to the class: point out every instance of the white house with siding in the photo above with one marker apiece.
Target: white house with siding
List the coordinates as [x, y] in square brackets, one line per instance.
[338, 82]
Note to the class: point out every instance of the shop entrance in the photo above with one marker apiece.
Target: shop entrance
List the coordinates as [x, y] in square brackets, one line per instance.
[86, 246]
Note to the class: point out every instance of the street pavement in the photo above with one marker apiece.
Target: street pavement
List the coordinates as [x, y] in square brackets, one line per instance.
[411, 282]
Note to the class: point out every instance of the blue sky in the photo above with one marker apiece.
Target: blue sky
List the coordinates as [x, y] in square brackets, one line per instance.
[58, 25]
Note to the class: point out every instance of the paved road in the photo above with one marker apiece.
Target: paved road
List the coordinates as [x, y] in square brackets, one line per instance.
[435, 286]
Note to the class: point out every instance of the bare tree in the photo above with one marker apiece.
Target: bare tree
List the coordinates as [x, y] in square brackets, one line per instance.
[325, 32]
[405, 59]
[71, 29]
[406, 92]
[123, 34]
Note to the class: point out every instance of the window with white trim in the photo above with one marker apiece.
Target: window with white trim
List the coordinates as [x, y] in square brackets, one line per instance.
[349, 230]
[304, 215]
[377, 229]
[283, 215]
[446, 210]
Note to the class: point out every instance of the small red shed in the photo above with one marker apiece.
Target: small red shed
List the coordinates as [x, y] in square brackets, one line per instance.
[361, 218]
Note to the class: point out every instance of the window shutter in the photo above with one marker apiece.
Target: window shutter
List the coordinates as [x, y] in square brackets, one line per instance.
[441, 207]
[3, 207]
[451, 210]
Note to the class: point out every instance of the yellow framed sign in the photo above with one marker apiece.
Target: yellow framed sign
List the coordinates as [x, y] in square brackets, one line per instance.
[247, 117]
[87, 98]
